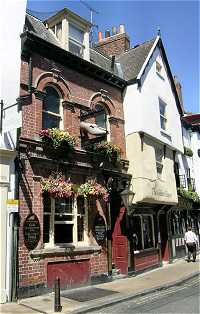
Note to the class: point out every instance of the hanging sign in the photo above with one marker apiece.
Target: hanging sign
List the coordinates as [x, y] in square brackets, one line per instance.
[31, 231]
[99, 228]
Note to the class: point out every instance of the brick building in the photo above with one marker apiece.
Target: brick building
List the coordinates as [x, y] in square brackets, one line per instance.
[65, 83]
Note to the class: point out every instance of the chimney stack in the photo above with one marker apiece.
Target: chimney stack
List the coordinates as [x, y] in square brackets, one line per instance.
[114, 44]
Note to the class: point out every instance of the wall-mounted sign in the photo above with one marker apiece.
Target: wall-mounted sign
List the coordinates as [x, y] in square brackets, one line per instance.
[198, 152]
[99, 228]
[12, 205]
[31, 231]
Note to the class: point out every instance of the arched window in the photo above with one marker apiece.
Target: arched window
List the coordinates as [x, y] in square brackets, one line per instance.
[101, 116]
[51, 109]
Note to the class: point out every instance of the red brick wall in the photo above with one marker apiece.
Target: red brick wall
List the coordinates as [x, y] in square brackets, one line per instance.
[114, 45]
[75, 87]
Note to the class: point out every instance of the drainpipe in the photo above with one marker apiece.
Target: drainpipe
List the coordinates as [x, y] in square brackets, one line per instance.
[30, 76]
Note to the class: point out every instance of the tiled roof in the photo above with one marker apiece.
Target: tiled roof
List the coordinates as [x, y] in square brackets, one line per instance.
[133, 60]
[102, 61]
[36, 26]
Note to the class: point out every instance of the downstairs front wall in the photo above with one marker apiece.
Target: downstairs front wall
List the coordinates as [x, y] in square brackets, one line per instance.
[142, 166]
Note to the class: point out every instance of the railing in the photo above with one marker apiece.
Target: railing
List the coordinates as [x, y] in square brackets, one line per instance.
[183, 182]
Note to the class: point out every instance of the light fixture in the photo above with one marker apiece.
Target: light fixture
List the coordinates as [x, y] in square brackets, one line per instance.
[127, 197]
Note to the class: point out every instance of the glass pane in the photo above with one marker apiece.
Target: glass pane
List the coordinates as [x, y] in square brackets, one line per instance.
[63, 217]
[49, 121]
[162, 123]
[63, 206]
[162, 109]
[81, 205]
[63, 233]
[137, 233]
[76, 33]
[75, 49]
[100, 117]
[51, 101]
[80, 228]
[46, 203]
[147, 232]
[46, 226]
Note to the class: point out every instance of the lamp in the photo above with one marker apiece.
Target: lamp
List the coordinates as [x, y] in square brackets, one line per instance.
[127, 197]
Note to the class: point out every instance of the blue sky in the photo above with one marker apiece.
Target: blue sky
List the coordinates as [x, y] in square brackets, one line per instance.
[177, 20]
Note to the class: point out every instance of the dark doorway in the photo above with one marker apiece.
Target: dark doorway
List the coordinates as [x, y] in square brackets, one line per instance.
[164, 236]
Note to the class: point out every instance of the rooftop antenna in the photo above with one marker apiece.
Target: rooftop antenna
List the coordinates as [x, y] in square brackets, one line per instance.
[158, 31]
[92, 11]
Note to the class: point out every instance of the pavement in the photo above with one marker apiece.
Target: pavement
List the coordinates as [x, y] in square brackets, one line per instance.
[85, 299]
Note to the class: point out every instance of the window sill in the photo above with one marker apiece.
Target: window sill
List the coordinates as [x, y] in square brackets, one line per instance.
[64, 251]
[166, 134]
[160, 75]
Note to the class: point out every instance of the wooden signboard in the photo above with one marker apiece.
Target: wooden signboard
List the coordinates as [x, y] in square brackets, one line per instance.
[99, 228]
[31, 231]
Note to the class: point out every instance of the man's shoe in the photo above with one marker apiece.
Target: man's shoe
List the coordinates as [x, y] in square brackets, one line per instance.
[188, 260]
[194, 260]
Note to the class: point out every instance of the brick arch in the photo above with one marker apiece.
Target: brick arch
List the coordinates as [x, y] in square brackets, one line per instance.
[105, 100]
[48, 78]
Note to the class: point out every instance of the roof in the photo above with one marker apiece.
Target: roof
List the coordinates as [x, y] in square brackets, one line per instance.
[32, 24]
[133, 60]
[103, 61]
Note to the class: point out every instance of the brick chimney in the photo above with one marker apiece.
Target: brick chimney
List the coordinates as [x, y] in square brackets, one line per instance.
[114, 44]
[179, 91]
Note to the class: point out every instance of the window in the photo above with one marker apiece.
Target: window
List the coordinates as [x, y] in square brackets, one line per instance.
[143, 232]
[101, 116]
[51, 109]
[159, 161]
[163, 119]
[76, 39]
[64, 221]
[158, 67]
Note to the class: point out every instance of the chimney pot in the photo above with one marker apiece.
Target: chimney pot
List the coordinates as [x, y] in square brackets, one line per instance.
[114, 30]
[107, 33]
[121, 28]
[100, 36]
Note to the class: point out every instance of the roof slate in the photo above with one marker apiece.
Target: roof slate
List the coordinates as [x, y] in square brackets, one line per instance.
[133, 60]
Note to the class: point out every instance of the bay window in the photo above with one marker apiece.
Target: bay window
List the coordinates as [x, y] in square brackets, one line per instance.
[64, 221]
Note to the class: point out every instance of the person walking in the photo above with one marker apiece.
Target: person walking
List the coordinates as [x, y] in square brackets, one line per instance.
[191, 242]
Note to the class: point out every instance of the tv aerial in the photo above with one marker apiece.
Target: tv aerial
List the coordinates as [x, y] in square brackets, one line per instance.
[92, 11]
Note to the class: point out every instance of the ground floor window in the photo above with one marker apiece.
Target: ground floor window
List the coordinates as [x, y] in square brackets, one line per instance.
[65, 221]
[143, 232]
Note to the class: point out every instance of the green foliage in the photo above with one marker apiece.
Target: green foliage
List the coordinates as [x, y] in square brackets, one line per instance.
[58, 138]
[188, 152]
[188, 194]
[109, 151]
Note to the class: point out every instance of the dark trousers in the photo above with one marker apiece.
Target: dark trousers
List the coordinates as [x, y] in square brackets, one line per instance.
[191, 250]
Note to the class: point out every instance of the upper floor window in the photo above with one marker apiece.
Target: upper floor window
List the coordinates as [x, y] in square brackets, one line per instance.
[163, 119]
[101, 119]
[65, 221]
[76, 39]
[51, 109]
[159, 161]
[57, 30]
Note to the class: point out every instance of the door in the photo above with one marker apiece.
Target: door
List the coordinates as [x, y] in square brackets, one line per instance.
[164, 236]
[120, 242]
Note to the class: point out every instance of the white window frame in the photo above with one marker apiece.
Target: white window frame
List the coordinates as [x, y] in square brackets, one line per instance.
[159, 161]
[60, 115]
[73, 222]
[164, 117]
[75, 41]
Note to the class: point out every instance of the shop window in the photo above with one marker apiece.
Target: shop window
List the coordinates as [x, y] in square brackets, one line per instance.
[65, 221]
[51, 109]
[143, 232]
[76, 39]
[163, 118]
[159, 154]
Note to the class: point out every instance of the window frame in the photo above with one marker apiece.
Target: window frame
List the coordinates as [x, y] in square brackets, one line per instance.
[163, 116]
[51, 113]
[74, 41]
[142, 231]
[107, 123]
[159, 156]
[74, 213]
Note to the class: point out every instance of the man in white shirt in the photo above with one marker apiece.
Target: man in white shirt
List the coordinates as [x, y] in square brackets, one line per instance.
[191, 242]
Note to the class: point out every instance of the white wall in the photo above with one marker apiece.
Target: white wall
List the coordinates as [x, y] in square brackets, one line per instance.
[12, 18]
[195, 145]
[141, 106]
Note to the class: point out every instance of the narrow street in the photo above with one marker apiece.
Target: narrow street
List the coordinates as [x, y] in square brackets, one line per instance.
[178, 299]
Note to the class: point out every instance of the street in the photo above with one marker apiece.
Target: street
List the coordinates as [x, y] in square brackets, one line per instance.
[178, 299]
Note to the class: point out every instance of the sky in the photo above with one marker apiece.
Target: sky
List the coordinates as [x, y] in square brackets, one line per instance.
[178, 22]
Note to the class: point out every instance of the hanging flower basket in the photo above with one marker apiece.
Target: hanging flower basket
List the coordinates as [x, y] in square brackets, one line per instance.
[56, 142]
[57, 187]
[108, 151]
[91, 188]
